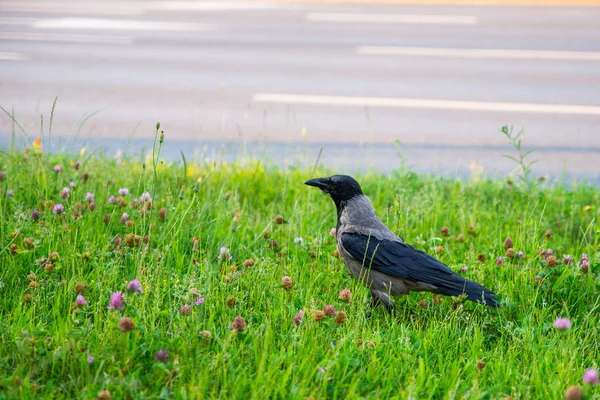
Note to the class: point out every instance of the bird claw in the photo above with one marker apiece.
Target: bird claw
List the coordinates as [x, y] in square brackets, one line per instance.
[389, 305]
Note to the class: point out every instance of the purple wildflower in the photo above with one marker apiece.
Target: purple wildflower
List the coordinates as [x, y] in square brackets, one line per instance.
[35, 215]
[90, 359]
[224, 254]
[135, 286]
[568, 259]
[199, 301]
[162, 355]
[116, 301]
[72, 184]
[584, 263]
[591, 377]
[58, 209]
[520, 254]
[124, 218]
[298, 318]
[562, 324]
[65, 193]
[10, 193]
[186, 309]
[499, 261]
[123, 191]
[89, 197]
[463, 268]
[80, 301]
[146, 197]
[112, 199]
[332, 232]
[58, 169]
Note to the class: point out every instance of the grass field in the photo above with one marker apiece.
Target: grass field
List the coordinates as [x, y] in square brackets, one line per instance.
[187, 233]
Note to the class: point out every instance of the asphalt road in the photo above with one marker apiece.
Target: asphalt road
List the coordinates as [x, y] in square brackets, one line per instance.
[350, 78]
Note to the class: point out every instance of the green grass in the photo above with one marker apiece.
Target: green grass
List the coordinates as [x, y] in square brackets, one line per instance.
[429, 351]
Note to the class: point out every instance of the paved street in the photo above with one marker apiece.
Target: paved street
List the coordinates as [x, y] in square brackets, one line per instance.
[290, 78]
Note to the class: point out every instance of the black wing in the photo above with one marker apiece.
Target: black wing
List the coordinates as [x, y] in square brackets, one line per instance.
[403, 261]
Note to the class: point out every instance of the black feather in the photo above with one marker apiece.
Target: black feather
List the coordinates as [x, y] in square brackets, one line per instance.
[403, 261]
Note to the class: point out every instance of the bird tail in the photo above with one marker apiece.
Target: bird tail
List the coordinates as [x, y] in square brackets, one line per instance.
[479, 294]
[459, 286]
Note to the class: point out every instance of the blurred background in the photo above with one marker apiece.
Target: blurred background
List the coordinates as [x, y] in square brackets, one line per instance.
[373, 84]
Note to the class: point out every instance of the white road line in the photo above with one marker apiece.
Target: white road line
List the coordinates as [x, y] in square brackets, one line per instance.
[210, 6]
[13, 56]
[73, 7]
[119, 24]
[394, 18]
[64, 37]
[478, 53]
[426, 104]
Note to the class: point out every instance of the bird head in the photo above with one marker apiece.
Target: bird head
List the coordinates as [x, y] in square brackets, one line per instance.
[339, 187]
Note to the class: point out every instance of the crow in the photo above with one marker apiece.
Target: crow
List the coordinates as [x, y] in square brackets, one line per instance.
[381, 260]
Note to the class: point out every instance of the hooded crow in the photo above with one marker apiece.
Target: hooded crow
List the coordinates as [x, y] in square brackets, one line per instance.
[380, 259]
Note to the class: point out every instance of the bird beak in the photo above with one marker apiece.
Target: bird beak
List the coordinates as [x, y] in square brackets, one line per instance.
[321, 183]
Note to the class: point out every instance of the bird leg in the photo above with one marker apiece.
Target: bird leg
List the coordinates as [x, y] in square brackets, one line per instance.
[382, 298]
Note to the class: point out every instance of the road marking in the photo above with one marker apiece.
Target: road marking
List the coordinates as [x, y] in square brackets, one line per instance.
[13, 56]
[64, 37]
[394, 18]
[119, 24]
[105, 8]
[478, 53]
[426, 104]
[210, 6]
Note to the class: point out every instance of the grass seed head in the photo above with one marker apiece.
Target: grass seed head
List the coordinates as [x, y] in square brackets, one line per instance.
[206, 335]
[345, 295]
[126, 324]
[104, 395]
[318, 315]
[231, 302]
[286, 282]
[14, 248]
[162, 214]
[186, 309]
[329, 310]
[340, 318]
[239, 324]
[80, 287]
[573, 393]
[297, 319]
[161, 356]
